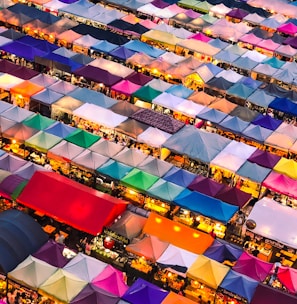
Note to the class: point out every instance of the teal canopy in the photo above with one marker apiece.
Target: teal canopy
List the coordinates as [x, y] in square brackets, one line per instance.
[114, 169]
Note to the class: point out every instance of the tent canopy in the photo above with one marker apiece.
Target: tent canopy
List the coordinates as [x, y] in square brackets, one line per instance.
[83, 208]
[20, 236]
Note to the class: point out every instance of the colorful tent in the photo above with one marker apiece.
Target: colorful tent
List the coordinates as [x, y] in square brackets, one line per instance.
[83, 208]
[52, 253]
[179, 176]
[287, 276]
[130, 157]
[153, 137]
[177, 234]
[206, 205]
[85, 267]
[287, 167]
[82, 138]
[11, 162]
[234, 196]
[95, 295]
[262, 212]
[62, 286]
[253, 172]
[60, 129]
[252, 267]
[16, 114]
[240, 285]
[19, 132]
[205, 185]
[32, 272]
[207, 271]
[222, 251]
[264, 158]
[89, 160]
[154, 166]
[131, 127]
[265, 293]
[111, 280]
[114, 169]
[106, 148]
[38, 122]
[42, 141]
[144, 292]
[21, 235]
[130, 225]
[139, 180]
[26, 89]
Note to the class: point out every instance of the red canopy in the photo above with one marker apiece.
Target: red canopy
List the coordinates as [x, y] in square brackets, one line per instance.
[70, 202]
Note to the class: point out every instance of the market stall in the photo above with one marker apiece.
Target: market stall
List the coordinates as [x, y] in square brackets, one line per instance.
[205, 276]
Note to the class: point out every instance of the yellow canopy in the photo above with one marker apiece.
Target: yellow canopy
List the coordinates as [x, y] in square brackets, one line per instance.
[287, 167]
[207, 271]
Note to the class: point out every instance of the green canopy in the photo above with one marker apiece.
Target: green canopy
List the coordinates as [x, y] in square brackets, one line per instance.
[42, 141]
[18, 190]
[139, 180]
[146, 93]
[38, 122]
[114, 169]
[82, 138]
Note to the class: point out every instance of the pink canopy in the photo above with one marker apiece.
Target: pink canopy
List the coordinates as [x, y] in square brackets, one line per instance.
[268, 44]
[288, 28]
[251, 39]
[111, 280]
[252, 267]
[125, 87]
[288, 277]
[201, 37]
[281, 184]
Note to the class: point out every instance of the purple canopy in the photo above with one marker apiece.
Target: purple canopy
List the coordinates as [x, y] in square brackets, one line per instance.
[267, 122]
[221, 251]
[145, 293]
[95, 295]
[139, 78]
[206, 186]
[52, 253]
[253, 267]
[98, 75]
[264, 159]
[233, 196]
[160, 3]
[9, 184]
[8, 67]
[237, 13]
[266, 294]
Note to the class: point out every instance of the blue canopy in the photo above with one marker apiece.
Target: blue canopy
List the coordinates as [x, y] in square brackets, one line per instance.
[239, 284]
[245, 63]
[234, 124]
[180, 91]
[222, 251]
[60, 129]
[94, 97]
[104, 46]
[274, 62]
[196, 144]
[253, 172]
[284, 105]
[22, 50]
[206, 205]
[42, 45]
[213, 115]
[165, 190]
[240, 90]
[144, 292]
[20, 236]
[114, 169]
[142, 47]
[260, 98]
[122, 53]
[179, 176]
[266, 121]
[250, 82]
[226, 56]
[46, 96]
[256, 133]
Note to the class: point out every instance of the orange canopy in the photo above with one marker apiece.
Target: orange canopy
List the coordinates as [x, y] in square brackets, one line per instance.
[173, 298]
[177, 234]
[26, 89]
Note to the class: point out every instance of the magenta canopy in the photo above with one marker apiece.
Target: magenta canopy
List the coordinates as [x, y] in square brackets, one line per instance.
[126, 87]
[288, 28]
[288, 277]
[201, 37]
[111, 280]
[281, 184]
[251, 39]
[268, 44]
[253, 267]
[206, 186]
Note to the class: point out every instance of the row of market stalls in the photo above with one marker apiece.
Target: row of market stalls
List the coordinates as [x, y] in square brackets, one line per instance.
[65, 274]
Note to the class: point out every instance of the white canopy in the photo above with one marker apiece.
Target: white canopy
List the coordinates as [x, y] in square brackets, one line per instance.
[275, 221]
[239, 149]
[153, 137]
[8, 81]
[167, 100]
[189, 108]
[228, 161]
[99, 115]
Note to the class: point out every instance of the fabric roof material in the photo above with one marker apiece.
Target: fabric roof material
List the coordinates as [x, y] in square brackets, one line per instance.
[83, 208]
[114, 169]
[207, 271]
[179, 176]
[20, 236]
[252, 267]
